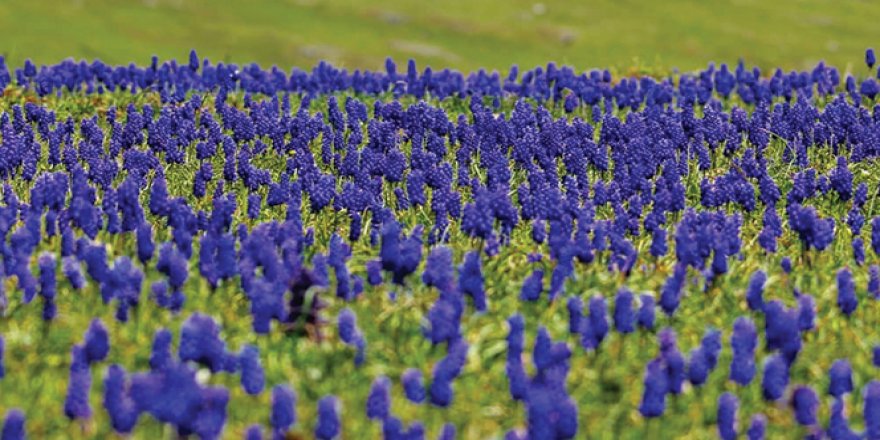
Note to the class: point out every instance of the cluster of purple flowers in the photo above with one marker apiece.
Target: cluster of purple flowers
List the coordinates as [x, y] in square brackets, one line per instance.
[351, 335]
[667, 373]
[378, 407]
[551, 412]
[169, 392]
[605, 184]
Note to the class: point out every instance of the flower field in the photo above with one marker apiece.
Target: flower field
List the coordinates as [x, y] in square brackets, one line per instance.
[209, 250]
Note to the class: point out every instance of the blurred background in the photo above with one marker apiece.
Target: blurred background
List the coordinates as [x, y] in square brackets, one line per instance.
[624, 35]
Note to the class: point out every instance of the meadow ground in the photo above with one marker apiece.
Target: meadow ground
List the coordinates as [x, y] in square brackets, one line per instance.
[606, 384]
[462, 34]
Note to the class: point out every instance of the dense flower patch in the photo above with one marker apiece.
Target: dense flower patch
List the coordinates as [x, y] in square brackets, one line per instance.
[226, 251]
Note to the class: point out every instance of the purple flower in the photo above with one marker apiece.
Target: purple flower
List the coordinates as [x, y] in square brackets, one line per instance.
[871, 395]
[97, 342]
[211, 415]
[193, 60]
[547, 354]
[400, 256]
[379, 400]
[200, 342]
[145, 245]
[673, 361]
[838, 425]
[374, 272]
[253, 378]
[728, 405]
[659, 246]
[416, 431]
[516, 375]
[743, 342]
[697, 367]
[283, 414]
[539, 231]
[439, 271]
[805, 403]
[160, 356]
[575, 314]
[812, 230]
[413, 385]
[470, 280]
[122, 283]
[646, 313]
[117, 400]
[624, 316]
[203, 176]
[840, 378]
[855, 220]
[328, 418]
[267, 303]
[670, 294]
[861, 195]
[874, 281]
[446, 371]
[355, 228]
[444, 318]
[842, 179]
[447, 432]
[656, 386]
[870, 59]
[254, 432]
[757, 428]
[775, 379]
[76, 403]
[782, 329]
[786, 264]
[347, 323]
[173, 264]
[846, 292]
[47, 266]
[875, 235]
[551, 412]
[360, 346]
[48, 288]
[806, 312]
[711, 346]
[392, 428]
[253, 206]
[858, 247]
[13, 425]
[350, 334]
[755, 291]
[533, 285]
[159, 201]
[597, 321]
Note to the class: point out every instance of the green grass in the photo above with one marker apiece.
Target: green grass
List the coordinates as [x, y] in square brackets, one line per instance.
[465, 34]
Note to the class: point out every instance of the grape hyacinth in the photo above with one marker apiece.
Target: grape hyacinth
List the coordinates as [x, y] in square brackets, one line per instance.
[220, 211]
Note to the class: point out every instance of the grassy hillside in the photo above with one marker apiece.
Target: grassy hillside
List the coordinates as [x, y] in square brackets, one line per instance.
[464, 34]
